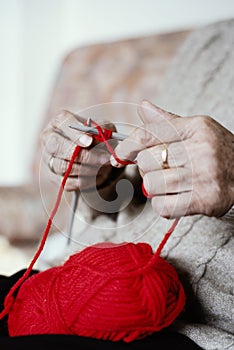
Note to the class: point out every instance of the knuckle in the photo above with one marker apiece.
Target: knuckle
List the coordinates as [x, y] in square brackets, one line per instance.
[144, 137]
[60, 118]
[62, 167]
[207, 128]
[138, 136]
[57, 120]
[201, 123]
[207, 120]
[45, 134]
[52, 144]
[203, 120]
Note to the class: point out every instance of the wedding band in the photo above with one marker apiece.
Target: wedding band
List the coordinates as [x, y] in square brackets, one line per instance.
[165, 158]
[50, 164]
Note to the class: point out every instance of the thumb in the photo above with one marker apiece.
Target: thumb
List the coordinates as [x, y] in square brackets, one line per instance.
[150, 113]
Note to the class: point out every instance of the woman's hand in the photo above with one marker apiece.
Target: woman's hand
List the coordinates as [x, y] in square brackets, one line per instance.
[200, 174]
[92, 167]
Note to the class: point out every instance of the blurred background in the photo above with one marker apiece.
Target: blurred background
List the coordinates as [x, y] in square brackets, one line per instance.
[35, 37]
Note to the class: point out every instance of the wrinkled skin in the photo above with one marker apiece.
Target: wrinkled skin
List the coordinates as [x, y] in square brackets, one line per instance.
[200, 177]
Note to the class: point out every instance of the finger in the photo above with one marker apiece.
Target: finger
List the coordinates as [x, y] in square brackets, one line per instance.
[72, 184]
[151, 135]
[169, 181]
[150, 113]
[59, 166]
[61, 124]
[87, 182]
[87, 163]
[174, 205]
[81, 182]
[60, 147]
[150, 159]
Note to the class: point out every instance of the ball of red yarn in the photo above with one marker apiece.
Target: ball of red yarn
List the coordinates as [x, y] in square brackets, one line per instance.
[106, 291]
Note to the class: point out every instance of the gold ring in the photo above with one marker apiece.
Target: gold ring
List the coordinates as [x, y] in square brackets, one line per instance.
[50, 164]
[165, 158]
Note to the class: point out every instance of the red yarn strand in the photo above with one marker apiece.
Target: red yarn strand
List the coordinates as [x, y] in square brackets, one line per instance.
[167, 235]
[169, 232]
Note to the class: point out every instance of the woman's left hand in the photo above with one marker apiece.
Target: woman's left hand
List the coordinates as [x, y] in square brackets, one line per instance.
[199, 153]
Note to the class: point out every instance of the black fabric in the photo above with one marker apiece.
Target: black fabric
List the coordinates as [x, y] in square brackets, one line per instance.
[5, 285]
[158, 341]
[165, 339]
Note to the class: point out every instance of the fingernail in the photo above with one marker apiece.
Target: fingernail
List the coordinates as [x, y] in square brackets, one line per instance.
[114, 163]
[85, 140]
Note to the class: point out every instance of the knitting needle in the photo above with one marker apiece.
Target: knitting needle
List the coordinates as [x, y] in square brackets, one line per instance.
[90, 130]
[75, 198]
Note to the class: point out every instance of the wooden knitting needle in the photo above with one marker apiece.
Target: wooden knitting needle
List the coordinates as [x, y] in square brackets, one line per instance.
[75, 198]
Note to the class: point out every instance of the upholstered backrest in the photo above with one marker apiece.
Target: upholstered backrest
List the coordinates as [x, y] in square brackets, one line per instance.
[126, 71]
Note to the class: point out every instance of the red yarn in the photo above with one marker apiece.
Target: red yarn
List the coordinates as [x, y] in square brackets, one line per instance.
[123, 292]
[106, 291]
[103, 136]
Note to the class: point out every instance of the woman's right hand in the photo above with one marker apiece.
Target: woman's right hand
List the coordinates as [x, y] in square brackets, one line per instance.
[92, 166]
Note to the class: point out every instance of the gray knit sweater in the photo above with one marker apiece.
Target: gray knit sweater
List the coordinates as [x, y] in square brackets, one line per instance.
[200, 81]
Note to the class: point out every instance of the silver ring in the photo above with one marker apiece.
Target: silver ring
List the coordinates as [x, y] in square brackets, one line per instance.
[165, 158]
[50, 164]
